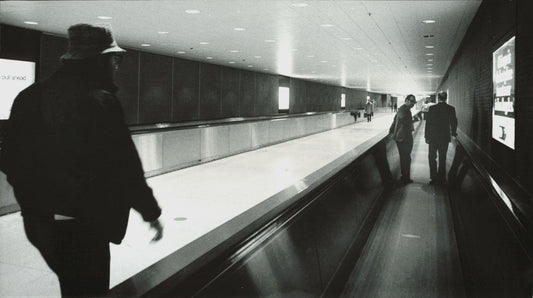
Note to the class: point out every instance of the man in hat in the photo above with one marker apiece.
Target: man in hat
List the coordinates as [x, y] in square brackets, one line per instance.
[73, 166]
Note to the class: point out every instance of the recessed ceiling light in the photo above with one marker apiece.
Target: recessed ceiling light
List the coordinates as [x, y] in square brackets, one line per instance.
[209, 58]
[31, 23]
[429, 47]
[204, 42]
[162, 32]
[257, 57]
[429, 64]
[429, 54]
[270, 40]
[265, 68]
[428, 21]
[326, 25]
[310, 56]
[323, 61]
[192, 11]
[145, 44]
[250, 66]
[239, 29]
[234, 51]
[430, 60]
[232, 62]
[181, 52]
[105, 18]
[299, 4]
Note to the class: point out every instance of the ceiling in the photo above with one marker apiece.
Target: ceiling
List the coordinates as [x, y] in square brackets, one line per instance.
[374, 45]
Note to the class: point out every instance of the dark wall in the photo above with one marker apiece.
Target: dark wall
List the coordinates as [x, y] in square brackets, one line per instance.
[355, 99]
[18, 43]
[156, 88]
[308, 96]
[469, 81]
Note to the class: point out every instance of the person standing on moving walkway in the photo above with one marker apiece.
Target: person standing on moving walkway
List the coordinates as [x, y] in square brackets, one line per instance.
[401, 131]
[73, 166]
[441, 124]
[369, 110]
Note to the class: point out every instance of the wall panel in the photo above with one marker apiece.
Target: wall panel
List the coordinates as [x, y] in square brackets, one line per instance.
[128, 86]
[215, 142]
[240, 137]
[230, 92]
[247, 91]
[266, 94]
[298, 95]
[181, 148]
[185, 94]
[210, 90]
[155, 90]
[20, 43]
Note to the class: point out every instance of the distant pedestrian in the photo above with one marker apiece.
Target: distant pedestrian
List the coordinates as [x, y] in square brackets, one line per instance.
[73, 166]
[395, 107]
[425, 108]
[401, 131]
[369, 110]
[441, 125]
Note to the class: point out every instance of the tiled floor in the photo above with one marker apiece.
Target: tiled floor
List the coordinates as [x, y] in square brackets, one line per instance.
[205, 196]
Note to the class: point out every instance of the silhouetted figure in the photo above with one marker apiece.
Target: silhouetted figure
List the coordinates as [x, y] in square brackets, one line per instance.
[441, 124]
[402, 132]
[425, 108]
[73, 166]
[369, 110]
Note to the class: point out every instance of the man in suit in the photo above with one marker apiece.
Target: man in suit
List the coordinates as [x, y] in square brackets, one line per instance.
[402, 132]
[441, 124]
[73, 166]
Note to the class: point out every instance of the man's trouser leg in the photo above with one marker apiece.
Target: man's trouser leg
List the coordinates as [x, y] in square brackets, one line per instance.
[74, 252]
[443, 150]
[404, 149]
[432, 158]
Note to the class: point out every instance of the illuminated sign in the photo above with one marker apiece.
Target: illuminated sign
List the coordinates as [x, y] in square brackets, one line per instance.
[503, 78]
[15, 76]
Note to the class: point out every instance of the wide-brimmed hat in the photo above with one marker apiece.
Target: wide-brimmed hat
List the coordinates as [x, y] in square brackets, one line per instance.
[85, 40]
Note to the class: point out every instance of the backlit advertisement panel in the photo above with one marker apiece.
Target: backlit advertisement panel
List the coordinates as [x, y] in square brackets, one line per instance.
[15, 76]
[503, 78]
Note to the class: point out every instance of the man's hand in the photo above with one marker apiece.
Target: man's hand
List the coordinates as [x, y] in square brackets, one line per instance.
[158, 227]
[427, 141]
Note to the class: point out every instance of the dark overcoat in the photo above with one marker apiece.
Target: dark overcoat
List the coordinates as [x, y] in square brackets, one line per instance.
[441, 123]
[66, 150]
[402, 127]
